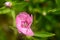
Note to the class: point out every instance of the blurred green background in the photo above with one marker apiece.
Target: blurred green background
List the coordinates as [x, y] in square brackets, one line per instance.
[46, 19]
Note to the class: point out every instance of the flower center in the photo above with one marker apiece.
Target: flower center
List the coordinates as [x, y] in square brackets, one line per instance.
[24, 24]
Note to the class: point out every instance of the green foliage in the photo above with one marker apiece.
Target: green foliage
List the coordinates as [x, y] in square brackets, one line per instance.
[46, 19]
[44, 34]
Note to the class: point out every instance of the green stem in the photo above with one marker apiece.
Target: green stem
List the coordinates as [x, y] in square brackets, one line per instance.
[14, 24]
[13, 15]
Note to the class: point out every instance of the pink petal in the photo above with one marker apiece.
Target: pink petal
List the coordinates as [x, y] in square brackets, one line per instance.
[29, 32]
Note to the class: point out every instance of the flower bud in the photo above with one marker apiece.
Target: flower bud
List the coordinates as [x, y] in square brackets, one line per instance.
[44, 13]
[8, 4]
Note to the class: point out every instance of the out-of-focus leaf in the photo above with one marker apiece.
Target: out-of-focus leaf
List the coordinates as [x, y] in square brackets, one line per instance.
[2, 3]
[14, 0]
[44, 34]
[20, 6]
[8, 0]
[48, 28]
[4, 11]
[58, 3]
[51, 19]
[37, 10]
[30, 8]
[57, 12]
[39, 1]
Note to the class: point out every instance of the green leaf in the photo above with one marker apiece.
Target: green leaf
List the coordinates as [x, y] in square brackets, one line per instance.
[44, 34]
[4, 10]
[57, 12]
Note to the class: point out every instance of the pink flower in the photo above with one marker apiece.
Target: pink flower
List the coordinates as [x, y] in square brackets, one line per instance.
[8, 4]
[23, 23]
